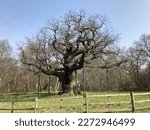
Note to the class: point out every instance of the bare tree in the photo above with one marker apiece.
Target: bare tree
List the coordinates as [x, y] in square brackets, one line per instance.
[135, 65]
[143, 49]
[5, 60]
[143, 45]
[64, 46]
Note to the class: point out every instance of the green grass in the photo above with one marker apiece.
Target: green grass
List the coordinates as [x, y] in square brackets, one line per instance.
[53, 103]
[26, 96]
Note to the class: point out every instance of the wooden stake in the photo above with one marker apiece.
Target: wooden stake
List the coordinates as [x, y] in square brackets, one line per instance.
[61, 103]
[86, 103]
[109, 105]
[35, 107]
[132, 101]
[12, 107]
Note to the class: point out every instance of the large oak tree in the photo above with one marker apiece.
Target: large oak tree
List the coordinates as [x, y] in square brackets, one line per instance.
[65, 45]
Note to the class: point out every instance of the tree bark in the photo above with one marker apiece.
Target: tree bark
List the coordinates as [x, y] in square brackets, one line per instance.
[69, 84]
[49, 84]
[39, 83]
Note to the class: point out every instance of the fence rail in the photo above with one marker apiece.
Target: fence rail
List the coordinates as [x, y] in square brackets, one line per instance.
[13, 104]
[86, 103]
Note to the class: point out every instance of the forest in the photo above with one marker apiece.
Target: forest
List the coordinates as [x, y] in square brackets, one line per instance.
[74, 54]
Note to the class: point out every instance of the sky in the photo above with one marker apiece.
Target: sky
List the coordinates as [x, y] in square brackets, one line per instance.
[23, 18]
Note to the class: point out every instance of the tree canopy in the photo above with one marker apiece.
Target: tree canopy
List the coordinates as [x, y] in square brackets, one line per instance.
[64, 45]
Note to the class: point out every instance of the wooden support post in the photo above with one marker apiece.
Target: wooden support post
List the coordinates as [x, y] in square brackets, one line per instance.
[61, 103]
[35, 106]
[12, 106]
[132, 101]
[86, 103]
[109, 105]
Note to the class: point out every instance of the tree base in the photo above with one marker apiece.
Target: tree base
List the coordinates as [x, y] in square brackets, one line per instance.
[70, 94]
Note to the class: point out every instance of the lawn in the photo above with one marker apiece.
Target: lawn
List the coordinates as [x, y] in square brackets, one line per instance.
[62, 103]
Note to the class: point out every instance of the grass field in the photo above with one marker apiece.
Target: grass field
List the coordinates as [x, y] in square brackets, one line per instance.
[56, 103]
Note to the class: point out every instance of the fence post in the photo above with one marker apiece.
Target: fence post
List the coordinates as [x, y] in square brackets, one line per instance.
[61, 103]
[109, 105]
[86, 103]
[35, 107]
[132, 101]
[12, 106]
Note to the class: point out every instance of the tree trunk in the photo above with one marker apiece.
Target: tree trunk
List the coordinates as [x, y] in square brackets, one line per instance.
[57, 85]
[39, 83]
[49, 84]
[67, 87]
[69, 83]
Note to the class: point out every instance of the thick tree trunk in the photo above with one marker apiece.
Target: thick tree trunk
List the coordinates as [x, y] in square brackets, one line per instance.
[69, 83]
[67, 87]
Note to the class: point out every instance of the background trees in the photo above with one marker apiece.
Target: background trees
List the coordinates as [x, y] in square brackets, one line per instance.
[54, 59]
[5, 63]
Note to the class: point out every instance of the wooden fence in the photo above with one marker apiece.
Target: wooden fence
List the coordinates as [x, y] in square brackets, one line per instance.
[132, 102]
[12, 108]
[86, 103]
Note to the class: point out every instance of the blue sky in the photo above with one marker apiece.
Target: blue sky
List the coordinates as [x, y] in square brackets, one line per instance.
[23, 18]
